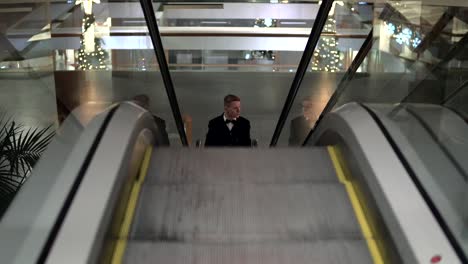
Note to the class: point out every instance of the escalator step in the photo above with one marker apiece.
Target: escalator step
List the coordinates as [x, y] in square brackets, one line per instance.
[244, 213]
[214, 165]
[323, 252]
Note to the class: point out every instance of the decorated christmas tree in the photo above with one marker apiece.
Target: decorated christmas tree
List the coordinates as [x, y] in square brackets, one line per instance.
[91, 56]
[326, 55]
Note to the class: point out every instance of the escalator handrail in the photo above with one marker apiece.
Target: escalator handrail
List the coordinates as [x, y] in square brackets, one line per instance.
[437, 215]
[76, 184]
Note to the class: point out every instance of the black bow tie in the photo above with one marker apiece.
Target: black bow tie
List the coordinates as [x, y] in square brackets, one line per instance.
[230, 121]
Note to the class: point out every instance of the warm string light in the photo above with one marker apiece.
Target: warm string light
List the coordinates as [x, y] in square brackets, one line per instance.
[96, 58]
[326, 56]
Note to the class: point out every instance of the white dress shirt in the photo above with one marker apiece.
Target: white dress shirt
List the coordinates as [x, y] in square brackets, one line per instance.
[229, 125]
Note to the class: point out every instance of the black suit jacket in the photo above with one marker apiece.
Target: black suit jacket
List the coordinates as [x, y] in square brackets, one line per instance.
[162, 138]
[219, 134]
[299, 131]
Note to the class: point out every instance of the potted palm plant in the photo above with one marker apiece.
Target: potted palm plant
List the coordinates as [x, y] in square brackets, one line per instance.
[20, 149]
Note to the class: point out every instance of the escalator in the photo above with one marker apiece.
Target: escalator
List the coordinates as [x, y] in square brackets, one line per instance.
[338, 201]
[365, 187]
[237, 206]
[350, 196]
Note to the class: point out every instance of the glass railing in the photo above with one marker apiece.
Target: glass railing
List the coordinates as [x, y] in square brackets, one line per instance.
[346, 28]
[28, 112]
[251, 50]
[123, 63]
[404, 65]
[247, 49]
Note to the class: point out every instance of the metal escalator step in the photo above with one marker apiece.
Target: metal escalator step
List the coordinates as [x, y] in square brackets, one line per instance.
[240, 165]
[323, 252]
[244, 213]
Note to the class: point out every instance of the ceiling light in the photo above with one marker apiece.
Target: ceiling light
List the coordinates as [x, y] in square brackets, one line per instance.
[292, 23]
[193, 6]
[133, 21]
[213, 22]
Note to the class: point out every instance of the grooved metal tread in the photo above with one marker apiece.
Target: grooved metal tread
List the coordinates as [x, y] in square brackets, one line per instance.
[244, 206]
[244, 212]
[212, 165]
[320, 252]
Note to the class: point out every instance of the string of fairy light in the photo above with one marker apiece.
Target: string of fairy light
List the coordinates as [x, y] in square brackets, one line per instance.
[96, 58]
[326, 56]
[91, 56]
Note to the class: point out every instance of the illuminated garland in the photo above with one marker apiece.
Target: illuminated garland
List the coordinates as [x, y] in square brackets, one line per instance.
[96, 58]
[326, 55]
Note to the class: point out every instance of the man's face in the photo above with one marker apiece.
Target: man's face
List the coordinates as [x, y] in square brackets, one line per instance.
[232, 110]
[307, 109]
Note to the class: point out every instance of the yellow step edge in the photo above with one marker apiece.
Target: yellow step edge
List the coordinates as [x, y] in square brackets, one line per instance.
[358, 210]
[121, 243]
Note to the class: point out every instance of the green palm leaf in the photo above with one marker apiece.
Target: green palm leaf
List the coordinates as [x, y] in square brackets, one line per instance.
[20, 149]
[26, 148]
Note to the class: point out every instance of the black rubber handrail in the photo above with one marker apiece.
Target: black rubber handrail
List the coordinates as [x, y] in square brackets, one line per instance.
[436, 30]
[153, 29]
[458, 47]
[302, 67]
[454, 93]
[417, 182]
[458, 167]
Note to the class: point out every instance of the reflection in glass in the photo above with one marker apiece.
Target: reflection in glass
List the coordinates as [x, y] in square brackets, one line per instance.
[344, 32]
[301, 125]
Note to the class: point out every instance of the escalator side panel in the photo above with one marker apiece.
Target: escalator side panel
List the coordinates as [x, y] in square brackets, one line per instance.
[412, 227]
[88, 223]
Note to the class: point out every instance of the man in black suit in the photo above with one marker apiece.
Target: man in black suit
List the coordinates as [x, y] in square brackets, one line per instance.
[301, 125]
[229, 129]
[162, 138]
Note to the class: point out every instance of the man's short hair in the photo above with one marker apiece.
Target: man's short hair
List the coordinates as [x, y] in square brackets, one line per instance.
[307, 101]
[142, 100]
[230, 98]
